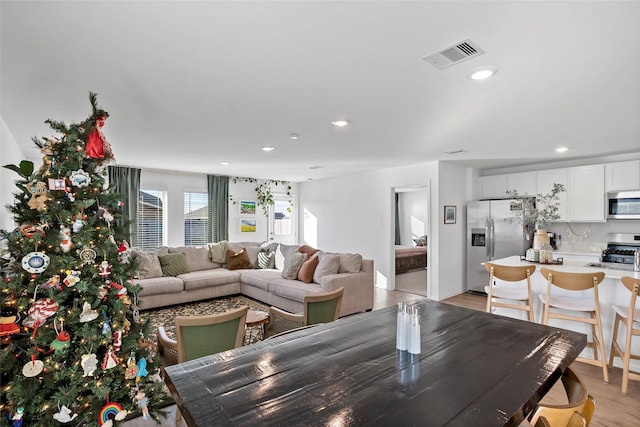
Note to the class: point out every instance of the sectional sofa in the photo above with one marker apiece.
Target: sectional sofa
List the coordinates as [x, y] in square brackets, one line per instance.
[278, 275]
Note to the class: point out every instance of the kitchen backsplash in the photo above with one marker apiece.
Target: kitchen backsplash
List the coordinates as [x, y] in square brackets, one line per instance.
[590, 237]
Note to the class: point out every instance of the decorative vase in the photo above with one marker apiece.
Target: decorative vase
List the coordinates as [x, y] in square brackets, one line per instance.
[540, 238]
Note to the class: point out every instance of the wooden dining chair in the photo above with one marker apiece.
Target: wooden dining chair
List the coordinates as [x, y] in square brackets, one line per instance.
[199, 336]
[591, 306]
[562, 414]
[626, 316]
[318, 308]
[511, 294]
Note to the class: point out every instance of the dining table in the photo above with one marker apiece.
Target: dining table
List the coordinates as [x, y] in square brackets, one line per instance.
[473, 369]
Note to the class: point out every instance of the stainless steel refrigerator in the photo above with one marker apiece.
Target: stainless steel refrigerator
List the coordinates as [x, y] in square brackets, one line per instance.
[494, 231]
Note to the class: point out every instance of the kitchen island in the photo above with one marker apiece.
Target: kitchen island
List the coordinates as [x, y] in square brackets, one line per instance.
[611, 291]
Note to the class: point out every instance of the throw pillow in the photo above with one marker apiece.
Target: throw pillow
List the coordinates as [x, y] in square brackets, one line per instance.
[292, 265]
[308, 268]
[148, 264]
[236, 260]
[327, 264]
[282, 253]
[173, 264]
[350, 263]
[306, 249]
[218, 251]
[197, 258]
[266, 259]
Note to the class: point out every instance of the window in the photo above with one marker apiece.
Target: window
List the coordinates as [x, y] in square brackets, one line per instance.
[196, 219]
[150, 219]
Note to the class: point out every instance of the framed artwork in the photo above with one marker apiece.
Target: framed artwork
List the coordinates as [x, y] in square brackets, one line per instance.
[449, 214]
[247, 225]
[247, 207]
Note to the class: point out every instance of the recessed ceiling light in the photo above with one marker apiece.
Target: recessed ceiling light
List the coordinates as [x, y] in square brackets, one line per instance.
[268, 148]
[225, 163]
[294, 136]
[483, 73]
[340, 123]
[562, 149]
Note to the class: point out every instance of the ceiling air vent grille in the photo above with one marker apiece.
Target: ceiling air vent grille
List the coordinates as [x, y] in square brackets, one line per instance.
[455, 54]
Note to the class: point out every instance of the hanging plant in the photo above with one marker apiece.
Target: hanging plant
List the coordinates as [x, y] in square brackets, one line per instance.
[264, 192]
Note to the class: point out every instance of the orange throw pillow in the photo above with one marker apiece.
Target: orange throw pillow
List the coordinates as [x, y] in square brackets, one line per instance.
[306, 249]
[308, 268]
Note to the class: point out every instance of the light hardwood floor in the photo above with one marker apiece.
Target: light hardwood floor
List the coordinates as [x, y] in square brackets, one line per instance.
[613, 409]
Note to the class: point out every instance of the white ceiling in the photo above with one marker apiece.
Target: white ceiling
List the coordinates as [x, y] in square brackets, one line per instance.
[191, 84]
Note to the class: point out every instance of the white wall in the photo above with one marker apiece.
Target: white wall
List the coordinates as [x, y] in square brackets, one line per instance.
[355, 213]
[10, 154]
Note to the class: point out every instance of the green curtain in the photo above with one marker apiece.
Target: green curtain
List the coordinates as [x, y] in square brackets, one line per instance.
[126, 182]
[218, 191]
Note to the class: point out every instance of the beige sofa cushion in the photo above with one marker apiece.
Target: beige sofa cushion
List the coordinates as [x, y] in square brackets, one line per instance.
[206, 278]
[148, 264]
[160, 285]
[350, 263]
[327, 264]
[197, 258]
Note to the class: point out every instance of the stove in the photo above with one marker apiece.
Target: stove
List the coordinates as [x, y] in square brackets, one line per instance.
[621, 248]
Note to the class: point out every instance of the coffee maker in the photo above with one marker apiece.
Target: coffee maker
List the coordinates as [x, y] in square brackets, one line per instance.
[552, 240]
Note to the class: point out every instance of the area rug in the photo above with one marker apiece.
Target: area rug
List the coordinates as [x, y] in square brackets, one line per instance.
[164, 316]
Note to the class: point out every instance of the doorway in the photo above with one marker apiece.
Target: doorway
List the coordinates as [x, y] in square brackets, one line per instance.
[411, 239]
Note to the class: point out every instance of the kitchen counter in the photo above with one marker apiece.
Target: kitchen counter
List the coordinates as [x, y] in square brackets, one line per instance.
[610, 292]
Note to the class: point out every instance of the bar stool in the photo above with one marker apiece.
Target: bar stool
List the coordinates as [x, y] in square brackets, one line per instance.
[627, 316]
[508, 291]
[591, 306]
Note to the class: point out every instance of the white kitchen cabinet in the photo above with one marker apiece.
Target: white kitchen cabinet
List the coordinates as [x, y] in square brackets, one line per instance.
[523, 183]
[622, 176]
[544, 184]
[586, 194]
[493, 187]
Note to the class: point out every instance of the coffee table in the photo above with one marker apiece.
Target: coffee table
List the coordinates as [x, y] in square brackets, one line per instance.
[255, 318]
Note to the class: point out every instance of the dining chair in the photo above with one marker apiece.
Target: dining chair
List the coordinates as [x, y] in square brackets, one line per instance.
[628, 316]
[199, 336]
[577, 282]
[318, 308]
[520, 297]
[561, 415]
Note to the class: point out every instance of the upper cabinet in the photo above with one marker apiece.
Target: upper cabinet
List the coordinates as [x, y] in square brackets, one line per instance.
[586, 194]
[544, 184]
[622, 176]
[493, 187]
[523, 183]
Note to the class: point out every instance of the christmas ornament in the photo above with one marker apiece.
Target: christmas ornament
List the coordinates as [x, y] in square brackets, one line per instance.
[62, 341]
[35, 262]
[106, 325]
[57, 184]
[80, 178]
[110, 412]
[110, 360]
[39, 195]
[124, 253]
[28, 229]
[142, 369]
[73, 277]
[65, 239]
[88, 314]
[97, 145]
[17, 417]
[89, 363]
[52, 283]
[9, 321]
[39, 313]
[104, 214]
[117, 340]
[78, 223]
[33, 368]
[64, 415]
[132, 369]
[143, 402]
[104, 270]
[87, 255]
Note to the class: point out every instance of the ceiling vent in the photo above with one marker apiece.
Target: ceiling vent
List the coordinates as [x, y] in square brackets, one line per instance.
[455, 54]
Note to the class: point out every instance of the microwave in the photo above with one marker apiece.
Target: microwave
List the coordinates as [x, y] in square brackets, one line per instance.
[623, 205]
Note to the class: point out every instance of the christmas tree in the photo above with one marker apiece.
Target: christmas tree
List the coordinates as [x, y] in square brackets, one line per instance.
[73, 346]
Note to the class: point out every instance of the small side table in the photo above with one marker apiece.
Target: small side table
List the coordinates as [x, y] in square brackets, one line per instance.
[255, 318]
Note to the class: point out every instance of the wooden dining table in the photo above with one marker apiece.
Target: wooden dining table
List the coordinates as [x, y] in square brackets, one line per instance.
[474, 369]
